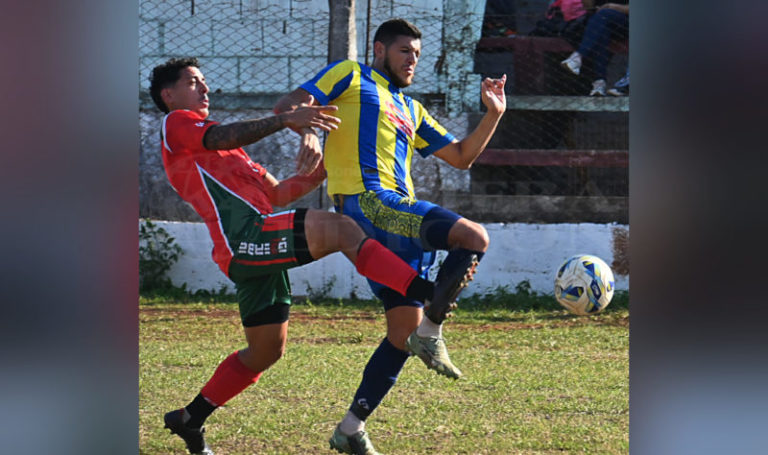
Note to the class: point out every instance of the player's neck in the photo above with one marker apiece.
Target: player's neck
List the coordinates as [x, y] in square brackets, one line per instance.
[379, 66]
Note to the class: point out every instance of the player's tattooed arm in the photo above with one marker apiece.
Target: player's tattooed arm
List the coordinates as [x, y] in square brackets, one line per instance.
[239, 134]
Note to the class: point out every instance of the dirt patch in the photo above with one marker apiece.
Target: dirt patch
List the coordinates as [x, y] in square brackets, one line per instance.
[295, 315]
[620, 263]
[298, 316]
[555, 321]
[215, 313]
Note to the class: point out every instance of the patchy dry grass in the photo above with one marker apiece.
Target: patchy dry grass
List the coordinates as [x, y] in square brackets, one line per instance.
[538, 381]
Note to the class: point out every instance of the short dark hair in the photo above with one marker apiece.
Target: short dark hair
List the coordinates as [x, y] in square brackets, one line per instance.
[167, 74]
[388, 32]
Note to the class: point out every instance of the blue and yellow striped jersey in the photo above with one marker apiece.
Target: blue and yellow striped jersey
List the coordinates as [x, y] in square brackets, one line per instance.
[380, 129]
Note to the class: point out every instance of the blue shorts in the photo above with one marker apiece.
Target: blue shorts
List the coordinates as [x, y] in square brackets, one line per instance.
[412, 229]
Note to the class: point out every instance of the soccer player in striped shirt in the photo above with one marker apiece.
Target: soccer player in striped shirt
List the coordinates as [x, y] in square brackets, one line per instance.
[368, 159]
[207, 166]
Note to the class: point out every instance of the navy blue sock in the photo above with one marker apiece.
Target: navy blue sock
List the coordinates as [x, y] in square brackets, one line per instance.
[379, 376]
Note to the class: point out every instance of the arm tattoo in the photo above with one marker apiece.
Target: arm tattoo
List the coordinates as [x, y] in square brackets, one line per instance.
[238, 134]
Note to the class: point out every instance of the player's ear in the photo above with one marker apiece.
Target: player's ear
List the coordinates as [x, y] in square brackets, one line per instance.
[167, 95]
[379, 49]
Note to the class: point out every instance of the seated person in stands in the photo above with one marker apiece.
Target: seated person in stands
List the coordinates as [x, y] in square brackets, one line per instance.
[621, 87]
[499, 18]
[610, 22]
[564, 19]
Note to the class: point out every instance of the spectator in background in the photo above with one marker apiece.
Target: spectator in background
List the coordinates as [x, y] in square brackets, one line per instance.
[564, 19]
[499, 19]
[621, 87]
[610, 22]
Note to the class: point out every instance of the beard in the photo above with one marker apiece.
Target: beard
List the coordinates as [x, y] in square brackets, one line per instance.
[398, 81]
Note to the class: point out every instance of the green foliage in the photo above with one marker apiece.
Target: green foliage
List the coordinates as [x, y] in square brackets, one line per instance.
[158, 251]
[523, 287]
[319, 295]
[180, 294]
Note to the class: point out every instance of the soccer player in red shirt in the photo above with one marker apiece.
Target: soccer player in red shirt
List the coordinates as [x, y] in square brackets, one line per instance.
[254, 247]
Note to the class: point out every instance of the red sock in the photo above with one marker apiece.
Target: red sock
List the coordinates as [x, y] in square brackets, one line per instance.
[376, 262]
[230, 378]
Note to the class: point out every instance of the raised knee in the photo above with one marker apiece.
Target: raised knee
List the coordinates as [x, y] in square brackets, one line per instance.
[478, 240]
[483, 240]
[469, 235]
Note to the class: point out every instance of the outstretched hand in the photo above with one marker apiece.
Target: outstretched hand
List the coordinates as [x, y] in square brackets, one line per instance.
[311, 117]
[314, 116]
[493, 96]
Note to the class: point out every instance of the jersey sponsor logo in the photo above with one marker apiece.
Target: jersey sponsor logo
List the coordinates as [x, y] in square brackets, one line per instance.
[273, 247]
[399, 119]
[200, 124]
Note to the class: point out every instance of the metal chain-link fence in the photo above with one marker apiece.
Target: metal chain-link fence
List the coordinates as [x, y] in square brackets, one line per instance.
[254, 51]
[566, 130]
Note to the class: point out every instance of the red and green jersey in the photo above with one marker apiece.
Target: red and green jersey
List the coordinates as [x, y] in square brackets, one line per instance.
[217, 183]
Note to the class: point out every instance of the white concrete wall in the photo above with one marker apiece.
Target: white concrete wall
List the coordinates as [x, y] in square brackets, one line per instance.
[518, 252]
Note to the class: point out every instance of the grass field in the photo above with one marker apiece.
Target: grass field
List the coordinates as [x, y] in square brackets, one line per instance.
[537, 380]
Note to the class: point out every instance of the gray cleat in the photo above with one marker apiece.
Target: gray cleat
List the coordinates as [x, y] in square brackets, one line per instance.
[356, 444]
[432, 351]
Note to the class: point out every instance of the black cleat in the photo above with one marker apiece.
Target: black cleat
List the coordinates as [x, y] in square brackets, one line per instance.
[193, 437]
[448, 286]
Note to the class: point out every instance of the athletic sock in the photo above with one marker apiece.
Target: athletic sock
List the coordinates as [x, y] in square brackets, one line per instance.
[351, 424]
[379, 264]
[456, 262]
[456, 257]
[230, 378]
[197, 411]
[379, 376]
[427, 328]
[420, 289]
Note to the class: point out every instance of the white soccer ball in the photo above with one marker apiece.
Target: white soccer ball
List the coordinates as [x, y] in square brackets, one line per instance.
[584, 284]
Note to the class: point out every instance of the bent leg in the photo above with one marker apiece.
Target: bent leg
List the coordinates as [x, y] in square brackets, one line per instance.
[468, 235]
[602, 26]
[239, 370]
[327, 233]
[266, 345]
[401, 322]
[467, 241]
